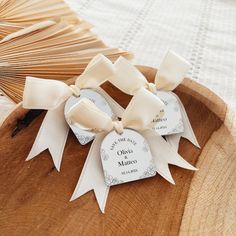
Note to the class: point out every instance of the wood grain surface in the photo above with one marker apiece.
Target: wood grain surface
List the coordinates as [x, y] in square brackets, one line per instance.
[34, 197]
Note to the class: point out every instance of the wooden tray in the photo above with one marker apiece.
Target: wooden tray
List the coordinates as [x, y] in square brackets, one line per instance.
[34, 197]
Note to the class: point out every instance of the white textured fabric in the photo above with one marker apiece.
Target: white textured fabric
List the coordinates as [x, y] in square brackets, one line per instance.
[203, 31]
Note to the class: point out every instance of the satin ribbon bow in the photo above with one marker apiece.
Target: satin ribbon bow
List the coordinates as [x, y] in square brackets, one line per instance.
[138, 115]
[51, 95]
[170, 74]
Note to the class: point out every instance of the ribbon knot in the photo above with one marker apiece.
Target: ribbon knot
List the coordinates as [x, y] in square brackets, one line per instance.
[144, 106]
[118, 126]
[152, 87]
[75, 90]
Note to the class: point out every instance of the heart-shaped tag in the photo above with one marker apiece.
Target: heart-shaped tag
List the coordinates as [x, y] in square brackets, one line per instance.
[85, 136]
[170, 121]
[126, 157]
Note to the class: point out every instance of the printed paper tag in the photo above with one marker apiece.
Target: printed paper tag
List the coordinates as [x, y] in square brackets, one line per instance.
[171, 122]
[85, 136]
[126, 157]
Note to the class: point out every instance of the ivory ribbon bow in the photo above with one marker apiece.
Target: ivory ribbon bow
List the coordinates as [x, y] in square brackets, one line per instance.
[51, 95]
[170, 74]
[144, 106]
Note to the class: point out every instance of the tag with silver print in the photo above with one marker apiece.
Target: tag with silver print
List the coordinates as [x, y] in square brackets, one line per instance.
[85, 136]
[126, 157]
[170, 121]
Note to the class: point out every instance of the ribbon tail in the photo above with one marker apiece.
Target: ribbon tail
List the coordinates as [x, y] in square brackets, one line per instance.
[116, 108]
[92, 177]
[52, 135]
[163, 170]
[174, 140]
[188, 131]
[164, 154]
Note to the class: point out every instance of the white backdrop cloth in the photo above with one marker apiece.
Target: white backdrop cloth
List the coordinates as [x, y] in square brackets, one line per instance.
[203, 31]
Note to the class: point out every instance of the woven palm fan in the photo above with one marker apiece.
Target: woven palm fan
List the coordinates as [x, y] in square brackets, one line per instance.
[18, 14]
[48, 50]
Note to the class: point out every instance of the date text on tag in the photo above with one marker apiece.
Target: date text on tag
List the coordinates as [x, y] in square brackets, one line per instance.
[126, 157]
[171, 122]
[85, 136]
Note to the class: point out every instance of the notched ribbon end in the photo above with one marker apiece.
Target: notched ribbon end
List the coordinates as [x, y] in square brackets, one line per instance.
[76, 194]
[197, 145]
[29, 158]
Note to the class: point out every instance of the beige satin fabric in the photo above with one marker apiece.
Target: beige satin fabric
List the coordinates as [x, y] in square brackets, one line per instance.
[129, 79]
[49, 94]
[170, 74]
[138, 115]
[143, 107]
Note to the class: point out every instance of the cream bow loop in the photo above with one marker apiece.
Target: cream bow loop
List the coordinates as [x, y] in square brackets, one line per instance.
[129, 79]
[49, 94]
[143, 107]
[44, 93]
[86, 115]
[171, 72]
[96, 73]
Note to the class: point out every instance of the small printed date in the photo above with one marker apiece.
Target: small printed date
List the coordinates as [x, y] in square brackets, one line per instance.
[129, 172]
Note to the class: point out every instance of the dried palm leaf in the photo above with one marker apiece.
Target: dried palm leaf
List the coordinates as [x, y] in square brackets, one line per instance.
[18, 14]
[48, 50]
